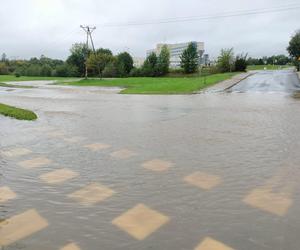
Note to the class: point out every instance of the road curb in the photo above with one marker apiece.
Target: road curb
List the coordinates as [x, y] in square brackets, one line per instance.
[227, 84]
[239, 80]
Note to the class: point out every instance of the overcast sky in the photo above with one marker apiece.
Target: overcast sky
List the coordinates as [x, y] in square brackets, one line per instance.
[30, 28]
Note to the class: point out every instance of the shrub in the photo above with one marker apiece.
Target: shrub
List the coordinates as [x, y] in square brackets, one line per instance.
[240, 63]
[110, 70]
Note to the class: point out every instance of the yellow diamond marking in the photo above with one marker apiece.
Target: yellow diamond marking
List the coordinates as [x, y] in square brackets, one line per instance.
[97, 146]
[269, 201]
[6, 194]
[16, 152]
[157, 165]
[203, 180]
[140, 221]
[58, 176]
[35, 163]
[92, 194]
[74, 139]
[71, 246]
[56, 134]
[211, 244]
[123, 154]
[21, 226]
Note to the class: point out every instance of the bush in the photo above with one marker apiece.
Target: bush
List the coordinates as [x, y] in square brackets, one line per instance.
[110, 70]
[136, 72]
[65, 70]
[240, 63]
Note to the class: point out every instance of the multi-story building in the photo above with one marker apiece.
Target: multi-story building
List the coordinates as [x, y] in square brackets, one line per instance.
[176, 51]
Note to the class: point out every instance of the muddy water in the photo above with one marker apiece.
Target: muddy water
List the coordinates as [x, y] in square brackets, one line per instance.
[245, 145]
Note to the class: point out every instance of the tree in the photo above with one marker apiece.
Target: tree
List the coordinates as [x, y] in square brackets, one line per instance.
[163, 61]
[46, 70]
[4, 58]
[3, 69]
[150, 65]
[294, 49]
[190, 59]
[124, 63]
[79, 53]
[225, 62]
[240, 63]
[97, 62]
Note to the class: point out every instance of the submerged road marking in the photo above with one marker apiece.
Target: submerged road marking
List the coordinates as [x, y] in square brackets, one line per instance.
[157, 165]
[21, 226]
[140, 221]
[97, 146]
[92, 194]
[6, 194]
[58, 176]
[56, 134]
[276, 195]
[123, 154]
[71, 246]
[16, 152]
[203, 180]
[74, 139]
[35, 162]
[211, 244]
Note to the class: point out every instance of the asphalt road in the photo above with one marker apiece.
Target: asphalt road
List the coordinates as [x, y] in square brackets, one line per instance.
[285, 81]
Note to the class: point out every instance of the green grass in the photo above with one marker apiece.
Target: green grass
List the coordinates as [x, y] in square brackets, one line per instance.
[268, 67]
[12, 78]
[2, 84]
[156, 85]
[17, 113]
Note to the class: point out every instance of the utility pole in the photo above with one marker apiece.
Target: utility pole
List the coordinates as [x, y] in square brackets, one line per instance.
[88, 30]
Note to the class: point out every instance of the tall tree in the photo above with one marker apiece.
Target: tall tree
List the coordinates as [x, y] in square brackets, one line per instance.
[190, 59]
[294, 49]
[124, 63]
[79, 53]
[163, 61]
[150, 65]
[225, 61]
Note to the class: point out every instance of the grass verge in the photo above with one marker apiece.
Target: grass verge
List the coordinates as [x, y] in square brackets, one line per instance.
[17, 113]
[12, 78]
[7, 85]
[156, 85]
[268, 67]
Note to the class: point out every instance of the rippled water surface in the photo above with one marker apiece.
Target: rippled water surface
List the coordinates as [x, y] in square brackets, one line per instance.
[219, 167]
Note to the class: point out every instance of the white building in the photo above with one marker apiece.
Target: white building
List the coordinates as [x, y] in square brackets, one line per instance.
[176, 51]
[138, 61]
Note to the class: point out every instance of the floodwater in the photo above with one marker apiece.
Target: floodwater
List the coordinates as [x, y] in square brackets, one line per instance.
[99, 170]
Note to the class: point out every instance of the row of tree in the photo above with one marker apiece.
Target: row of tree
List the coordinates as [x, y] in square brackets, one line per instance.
[276, 60]
[102, 62]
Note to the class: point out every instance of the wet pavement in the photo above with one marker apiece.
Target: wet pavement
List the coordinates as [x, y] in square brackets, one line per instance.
[97, 170]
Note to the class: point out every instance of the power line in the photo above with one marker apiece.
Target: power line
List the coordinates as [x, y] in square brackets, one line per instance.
[281, 8]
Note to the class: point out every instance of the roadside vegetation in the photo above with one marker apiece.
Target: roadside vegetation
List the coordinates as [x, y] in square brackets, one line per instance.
[17, 113]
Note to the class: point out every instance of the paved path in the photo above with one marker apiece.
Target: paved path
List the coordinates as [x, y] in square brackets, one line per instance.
[284, 81]
[224, 85]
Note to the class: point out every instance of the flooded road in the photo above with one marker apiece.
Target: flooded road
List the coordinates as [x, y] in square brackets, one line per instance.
[99, 170]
